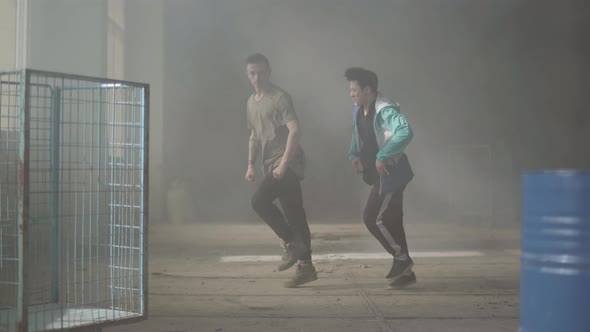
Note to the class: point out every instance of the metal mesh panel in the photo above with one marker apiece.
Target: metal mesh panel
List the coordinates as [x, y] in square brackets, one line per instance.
[84, 240]
[10, 139]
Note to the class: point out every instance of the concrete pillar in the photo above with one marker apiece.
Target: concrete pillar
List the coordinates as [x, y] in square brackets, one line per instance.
[68, 36]
[8, 34]
[144, 63]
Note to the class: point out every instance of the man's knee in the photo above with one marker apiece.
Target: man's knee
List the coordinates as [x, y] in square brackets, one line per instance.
[258, 202]
[369, 219]
[394, 219]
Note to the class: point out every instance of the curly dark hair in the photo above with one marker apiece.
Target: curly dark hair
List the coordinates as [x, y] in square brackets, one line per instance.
[363, 77]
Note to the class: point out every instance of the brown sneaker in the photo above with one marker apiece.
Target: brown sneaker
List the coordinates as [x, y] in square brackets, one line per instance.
[293, 251]
[305, 273]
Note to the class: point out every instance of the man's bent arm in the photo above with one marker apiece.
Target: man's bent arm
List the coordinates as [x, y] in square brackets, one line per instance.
[292, 141]
[252, 149]
[402, 134]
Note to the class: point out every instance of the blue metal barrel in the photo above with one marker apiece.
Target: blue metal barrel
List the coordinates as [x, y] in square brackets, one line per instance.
[555, 260]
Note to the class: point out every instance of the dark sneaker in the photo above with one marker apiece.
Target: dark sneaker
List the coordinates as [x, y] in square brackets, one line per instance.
[305, 273]
[293, 251]
[399, 268]
[403, 281]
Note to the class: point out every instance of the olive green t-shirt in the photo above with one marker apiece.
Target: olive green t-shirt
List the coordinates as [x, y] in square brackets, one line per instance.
[268, 118]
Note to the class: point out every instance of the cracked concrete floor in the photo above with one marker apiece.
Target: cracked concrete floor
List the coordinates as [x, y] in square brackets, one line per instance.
[190, 289]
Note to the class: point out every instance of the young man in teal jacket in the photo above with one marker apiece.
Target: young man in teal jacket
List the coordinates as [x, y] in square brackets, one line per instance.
[379, 137]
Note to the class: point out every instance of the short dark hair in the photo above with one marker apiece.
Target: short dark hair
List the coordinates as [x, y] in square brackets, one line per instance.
[257, 58]
[363, 77]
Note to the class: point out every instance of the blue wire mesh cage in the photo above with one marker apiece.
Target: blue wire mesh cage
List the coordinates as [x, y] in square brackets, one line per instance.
[73, 201]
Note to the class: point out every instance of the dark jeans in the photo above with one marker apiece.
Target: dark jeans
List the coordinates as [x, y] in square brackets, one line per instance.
[384, 217]
[291, 222]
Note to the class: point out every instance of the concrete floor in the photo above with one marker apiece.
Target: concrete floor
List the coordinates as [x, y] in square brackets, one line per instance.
[190, 289]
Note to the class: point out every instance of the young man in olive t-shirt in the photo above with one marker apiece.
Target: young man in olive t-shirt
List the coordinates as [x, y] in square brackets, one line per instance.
[274, 133]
